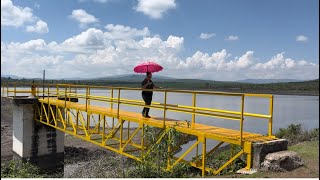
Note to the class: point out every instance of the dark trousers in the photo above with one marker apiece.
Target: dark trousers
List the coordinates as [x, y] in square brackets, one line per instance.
[147, 99]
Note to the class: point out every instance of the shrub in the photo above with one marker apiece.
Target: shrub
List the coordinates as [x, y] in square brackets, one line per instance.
[294, 133]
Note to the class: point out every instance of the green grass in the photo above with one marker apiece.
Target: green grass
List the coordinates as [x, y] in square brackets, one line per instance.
[307, 149]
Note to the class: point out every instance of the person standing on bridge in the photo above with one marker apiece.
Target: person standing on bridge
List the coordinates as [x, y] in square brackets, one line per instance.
[148, 68]
[147, 95]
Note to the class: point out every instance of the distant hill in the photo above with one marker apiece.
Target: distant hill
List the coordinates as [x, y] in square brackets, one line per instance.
[267, 81]
[132, 78]
[11, 76]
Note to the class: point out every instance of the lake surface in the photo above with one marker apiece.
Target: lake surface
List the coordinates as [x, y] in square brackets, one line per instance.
[287, 109]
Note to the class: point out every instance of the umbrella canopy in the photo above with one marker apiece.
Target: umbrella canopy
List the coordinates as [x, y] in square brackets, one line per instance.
[147, 67]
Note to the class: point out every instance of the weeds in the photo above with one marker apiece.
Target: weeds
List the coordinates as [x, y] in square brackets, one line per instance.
[295, 133]
[17, 169]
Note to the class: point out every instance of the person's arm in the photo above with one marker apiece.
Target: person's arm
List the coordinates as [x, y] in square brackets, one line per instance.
[157, 87]
[145, 83]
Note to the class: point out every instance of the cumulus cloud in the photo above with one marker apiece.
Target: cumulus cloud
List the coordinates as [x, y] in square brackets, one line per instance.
[17, 16]
[124, 32]
[232, 38]
[83, 17]
[207, 35]
[301, 38]
[39, 27]
[155, 8]
[96, 52]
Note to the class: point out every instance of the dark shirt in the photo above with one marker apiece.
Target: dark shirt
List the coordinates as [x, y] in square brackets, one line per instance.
[150, 86]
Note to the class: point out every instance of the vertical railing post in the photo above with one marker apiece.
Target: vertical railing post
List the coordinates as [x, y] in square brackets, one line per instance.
[128, 135]
[121, 134]
[99, 124]
[48, 111]
[111, 105]
[86, 98]
[193, 120]
[103, 128]
[88, 114]
[65, 105]
[69, 98]
[65, 97]
[57, 106]
[204, 148]
[241, 119]
[165, 108]
[118, 110]
[271, 116]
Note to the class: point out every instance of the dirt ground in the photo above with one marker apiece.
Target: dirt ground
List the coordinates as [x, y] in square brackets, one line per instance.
[6, 131]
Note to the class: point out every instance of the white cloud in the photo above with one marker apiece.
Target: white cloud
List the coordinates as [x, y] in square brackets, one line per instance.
[232, 38]
[39, 27]
[95, 53]
[301, 38]
[207, 35]
[125, 32]
[155, 8]
[83, 17]
[17, 16]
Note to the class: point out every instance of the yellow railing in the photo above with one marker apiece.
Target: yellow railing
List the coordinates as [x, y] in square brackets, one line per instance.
[66, 91]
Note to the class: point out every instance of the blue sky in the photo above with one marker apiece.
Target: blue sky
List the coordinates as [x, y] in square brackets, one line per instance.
[240, 38]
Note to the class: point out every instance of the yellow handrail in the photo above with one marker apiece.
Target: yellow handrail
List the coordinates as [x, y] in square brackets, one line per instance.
[193, 109]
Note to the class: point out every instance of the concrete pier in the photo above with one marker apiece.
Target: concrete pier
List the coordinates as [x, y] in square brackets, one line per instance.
[39, 144]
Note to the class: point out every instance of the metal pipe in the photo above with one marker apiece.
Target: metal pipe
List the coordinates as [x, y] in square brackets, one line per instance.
[118, 110]
[271, 118]
[241, 119]
[165, 109]
[43, 80]
[193, 120]
[204, 147]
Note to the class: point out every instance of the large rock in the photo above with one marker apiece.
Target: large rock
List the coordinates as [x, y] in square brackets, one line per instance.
[261, 149]
[281, 161]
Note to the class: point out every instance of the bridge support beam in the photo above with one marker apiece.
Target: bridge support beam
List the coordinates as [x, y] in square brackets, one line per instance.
[37, 143]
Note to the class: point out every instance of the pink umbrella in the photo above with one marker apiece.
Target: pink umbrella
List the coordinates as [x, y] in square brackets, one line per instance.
[147, 67]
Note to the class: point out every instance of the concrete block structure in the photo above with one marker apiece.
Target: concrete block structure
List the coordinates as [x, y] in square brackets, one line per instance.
[34, 142]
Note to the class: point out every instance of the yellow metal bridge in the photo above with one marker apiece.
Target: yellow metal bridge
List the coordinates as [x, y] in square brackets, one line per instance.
[89, 122]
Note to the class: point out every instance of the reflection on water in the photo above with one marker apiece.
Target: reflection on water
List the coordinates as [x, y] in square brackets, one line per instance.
[287, 109]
